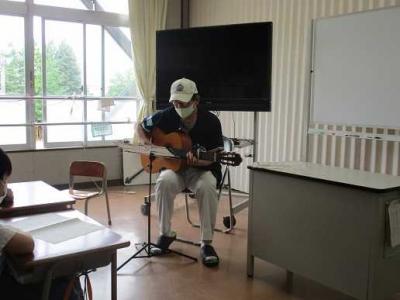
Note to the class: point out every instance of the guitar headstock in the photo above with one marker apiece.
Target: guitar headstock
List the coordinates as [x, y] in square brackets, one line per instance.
[229, 158]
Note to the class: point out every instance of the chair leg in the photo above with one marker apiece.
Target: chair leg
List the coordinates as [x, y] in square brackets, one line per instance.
[86, 206]
[231, 216]
[108, 208]
[188, 213]
[222, 183]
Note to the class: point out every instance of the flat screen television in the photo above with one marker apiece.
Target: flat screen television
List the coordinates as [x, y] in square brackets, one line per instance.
[231, 65]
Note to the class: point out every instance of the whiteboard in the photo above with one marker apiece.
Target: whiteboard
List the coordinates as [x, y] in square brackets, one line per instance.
[356, 69]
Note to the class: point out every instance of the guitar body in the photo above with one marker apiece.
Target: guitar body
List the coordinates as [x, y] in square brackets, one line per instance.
[177, 140]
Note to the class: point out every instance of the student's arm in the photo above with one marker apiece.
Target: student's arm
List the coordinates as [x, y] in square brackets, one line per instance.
[20, 244]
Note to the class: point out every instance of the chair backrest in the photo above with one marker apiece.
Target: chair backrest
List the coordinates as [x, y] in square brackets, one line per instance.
[87, 168]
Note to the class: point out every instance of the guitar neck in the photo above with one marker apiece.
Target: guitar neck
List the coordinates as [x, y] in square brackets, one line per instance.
[225, 158]
[210, 156]
[202, 155]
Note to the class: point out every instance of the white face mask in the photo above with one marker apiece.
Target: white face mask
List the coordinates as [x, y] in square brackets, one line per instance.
[3, 193]
[185, 112]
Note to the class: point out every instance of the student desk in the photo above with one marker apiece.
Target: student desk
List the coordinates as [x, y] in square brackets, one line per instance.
[325, 223]
[35, 197]
[89, 251]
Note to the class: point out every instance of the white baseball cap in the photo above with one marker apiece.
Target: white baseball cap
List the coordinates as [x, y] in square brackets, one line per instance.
[183, 90]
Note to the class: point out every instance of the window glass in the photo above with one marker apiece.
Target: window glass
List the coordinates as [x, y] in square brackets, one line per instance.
[93, 115]
[12, 56]
[15, 135]
[121, 131]
[64, 64]
[123, 110]
[13, 112]
[119, 82]
[119, 78]
[64, 59]
[115, 6]
[37, 63]
[63, 3]
[12, 80]
[64, 111]
[119, 111]
[93, 60]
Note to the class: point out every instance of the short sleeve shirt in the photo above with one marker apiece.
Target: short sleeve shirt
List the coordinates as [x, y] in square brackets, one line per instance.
[206, 132]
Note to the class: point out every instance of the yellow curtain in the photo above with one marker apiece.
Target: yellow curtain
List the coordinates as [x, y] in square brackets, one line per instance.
[145, 18]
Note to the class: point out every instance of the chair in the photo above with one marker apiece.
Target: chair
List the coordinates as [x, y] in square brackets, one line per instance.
[94, 169]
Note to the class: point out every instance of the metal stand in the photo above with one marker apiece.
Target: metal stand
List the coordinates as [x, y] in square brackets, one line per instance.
[146, 246]
[129, 179]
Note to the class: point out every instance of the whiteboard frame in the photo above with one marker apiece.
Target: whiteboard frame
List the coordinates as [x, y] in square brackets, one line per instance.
[312, 75]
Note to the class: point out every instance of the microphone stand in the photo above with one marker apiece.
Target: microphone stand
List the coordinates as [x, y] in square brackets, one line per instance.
[146, 246]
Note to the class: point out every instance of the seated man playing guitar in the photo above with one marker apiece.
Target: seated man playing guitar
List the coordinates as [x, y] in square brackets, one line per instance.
[200, 176]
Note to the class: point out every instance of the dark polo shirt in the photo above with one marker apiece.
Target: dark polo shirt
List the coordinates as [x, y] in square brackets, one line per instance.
[206, 132]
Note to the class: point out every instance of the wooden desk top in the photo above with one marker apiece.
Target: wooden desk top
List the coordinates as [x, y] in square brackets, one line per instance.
[355, 178]
[103, 239]
[35, 197]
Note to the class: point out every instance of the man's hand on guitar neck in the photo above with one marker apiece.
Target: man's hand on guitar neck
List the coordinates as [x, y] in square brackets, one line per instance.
[192, 160]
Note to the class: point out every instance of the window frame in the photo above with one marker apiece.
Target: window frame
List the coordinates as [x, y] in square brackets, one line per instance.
[28, 11]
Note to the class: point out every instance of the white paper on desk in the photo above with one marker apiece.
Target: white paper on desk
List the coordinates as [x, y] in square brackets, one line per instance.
[63, 231]
[39, 221]
[394, 222]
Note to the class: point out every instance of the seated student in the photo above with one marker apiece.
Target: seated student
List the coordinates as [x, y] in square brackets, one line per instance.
[15, 243]
[6, 194]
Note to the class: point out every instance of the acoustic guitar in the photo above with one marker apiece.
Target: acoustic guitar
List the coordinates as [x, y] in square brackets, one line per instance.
[179, 144]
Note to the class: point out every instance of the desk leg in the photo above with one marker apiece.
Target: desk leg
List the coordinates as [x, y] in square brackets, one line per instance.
[250, 265]
[289, 281]
[114, 276]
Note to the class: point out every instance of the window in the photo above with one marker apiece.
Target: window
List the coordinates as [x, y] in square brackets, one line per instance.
[13, 110]
[81, 89]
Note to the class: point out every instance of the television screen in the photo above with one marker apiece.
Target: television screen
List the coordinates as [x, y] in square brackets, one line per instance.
[230, 64]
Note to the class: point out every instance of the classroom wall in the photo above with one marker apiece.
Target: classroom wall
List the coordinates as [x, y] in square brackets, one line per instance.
[52, 166]
[282, 132]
